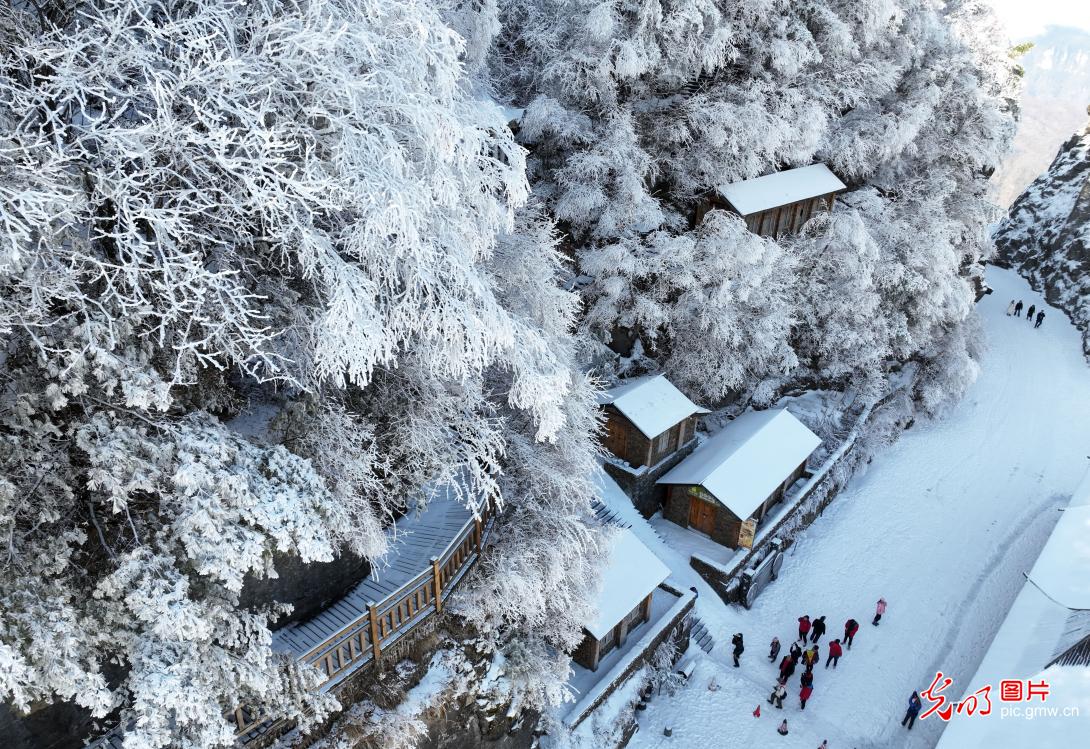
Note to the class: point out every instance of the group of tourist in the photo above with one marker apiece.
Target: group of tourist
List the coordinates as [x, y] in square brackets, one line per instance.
[1016, 310]
[806, 651]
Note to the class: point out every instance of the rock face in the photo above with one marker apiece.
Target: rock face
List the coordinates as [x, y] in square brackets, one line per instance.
[1046, 236]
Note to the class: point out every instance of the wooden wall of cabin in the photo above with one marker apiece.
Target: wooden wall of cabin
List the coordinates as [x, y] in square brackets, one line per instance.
[777, 496]
[788, 219]
[586, 655]
[622, 439]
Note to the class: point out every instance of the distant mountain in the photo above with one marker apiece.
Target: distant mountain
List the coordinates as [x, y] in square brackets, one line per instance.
[1054, 103]
[1047, 233]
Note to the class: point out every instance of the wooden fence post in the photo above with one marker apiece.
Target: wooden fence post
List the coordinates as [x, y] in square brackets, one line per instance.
[477, 531]
[376, 646]
[438, 584]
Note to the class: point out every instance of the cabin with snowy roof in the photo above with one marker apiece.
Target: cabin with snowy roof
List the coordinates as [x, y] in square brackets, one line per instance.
[738, 475]
[624, 602]
[647, 420]
[780, 203]
[650, 426]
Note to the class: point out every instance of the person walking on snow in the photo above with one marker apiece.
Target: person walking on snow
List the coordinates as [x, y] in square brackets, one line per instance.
[817, 629]
[1018, 309]
[824, 744]
[787, 667]
[850, 628]
[774, 649]
[879, 609]
[795, 652]
[811, 657]
[804, 627]
[739, 647]
[1040, 318]
[778, 693]
[807, 688]
[1010, 308]
[782, 730]
[1029, 312]
[914, 706]
[835, 651]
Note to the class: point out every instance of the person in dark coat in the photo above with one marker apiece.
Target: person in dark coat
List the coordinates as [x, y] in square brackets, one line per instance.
[850, 628]
[804, 627]
[807, 688]
[774, 649]
[1040, 318]
[739, 647]
[778, 693]
[914, 706]
[835, 651]
[817, 629]
[1029, 312]
[1018, 309]
[787, 667]
[795, 652]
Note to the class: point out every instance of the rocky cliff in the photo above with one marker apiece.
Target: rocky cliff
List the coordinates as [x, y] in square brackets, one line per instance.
[1046, 235]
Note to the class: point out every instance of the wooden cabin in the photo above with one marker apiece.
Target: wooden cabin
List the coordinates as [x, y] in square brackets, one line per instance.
[779, 203]
[738, 475]
[647, 420]
[624, 603]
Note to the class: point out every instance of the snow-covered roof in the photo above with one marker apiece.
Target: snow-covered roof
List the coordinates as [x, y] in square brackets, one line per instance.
[781, 188]
[633, 572]
[1039, 627]
[745, 462]
[1063, 569]
[652, 403]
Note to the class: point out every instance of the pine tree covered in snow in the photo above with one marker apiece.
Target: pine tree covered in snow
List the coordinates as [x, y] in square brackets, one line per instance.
[212, 208]
[638, 108]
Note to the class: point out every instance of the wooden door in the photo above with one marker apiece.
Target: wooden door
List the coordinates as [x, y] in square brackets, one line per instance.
[701, 515]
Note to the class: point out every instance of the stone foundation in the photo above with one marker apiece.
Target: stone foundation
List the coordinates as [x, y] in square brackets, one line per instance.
[647, 497]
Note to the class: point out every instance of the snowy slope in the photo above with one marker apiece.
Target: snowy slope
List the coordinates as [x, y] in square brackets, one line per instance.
[942, 526]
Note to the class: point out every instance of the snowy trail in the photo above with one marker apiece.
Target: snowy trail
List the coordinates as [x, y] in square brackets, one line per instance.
[942, 525]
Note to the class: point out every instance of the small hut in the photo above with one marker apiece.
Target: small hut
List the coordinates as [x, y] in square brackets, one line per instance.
[779, 203]
[624, 603]
[738, 475]
[647, 420]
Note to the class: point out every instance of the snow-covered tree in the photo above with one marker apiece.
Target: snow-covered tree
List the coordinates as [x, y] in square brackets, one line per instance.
[252, 303]
[636, 110]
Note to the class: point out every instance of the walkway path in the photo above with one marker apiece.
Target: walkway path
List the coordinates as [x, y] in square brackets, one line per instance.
[942, 525]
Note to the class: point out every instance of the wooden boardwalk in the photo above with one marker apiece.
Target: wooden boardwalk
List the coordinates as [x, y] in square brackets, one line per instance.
[430, 553]
[414, 540]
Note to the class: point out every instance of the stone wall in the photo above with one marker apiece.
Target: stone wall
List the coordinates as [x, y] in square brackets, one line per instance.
[647, 497]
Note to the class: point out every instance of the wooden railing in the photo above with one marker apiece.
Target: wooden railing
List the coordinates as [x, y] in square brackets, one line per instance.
[389, 620]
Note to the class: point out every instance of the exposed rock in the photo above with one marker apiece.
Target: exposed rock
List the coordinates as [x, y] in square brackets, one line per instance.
[1046, 236]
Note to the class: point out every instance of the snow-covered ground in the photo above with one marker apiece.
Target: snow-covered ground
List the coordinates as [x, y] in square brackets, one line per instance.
[942, 525]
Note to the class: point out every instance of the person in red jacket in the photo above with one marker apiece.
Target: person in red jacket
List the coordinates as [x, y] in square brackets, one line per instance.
[787, 667]
[804, 627]
[835, 651]
[850, 628]
[807, 689]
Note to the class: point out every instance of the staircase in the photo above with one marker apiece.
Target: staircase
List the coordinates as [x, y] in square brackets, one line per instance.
[701, 636]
